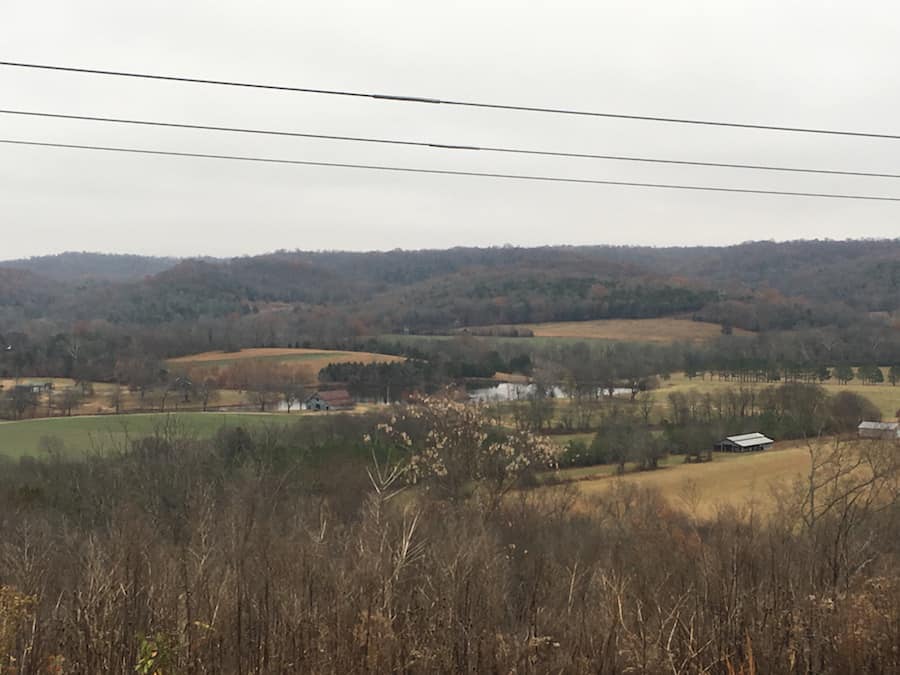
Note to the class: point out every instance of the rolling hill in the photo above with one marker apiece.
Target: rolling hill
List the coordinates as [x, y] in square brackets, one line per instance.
[755, 286]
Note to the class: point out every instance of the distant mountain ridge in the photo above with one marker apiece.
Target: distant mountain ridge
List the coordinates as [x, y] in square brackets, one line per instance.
[80, 266]
[756, 285]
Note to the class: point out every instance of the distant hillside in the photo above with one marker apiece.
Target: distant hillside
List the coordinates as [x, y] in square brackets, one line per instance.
[22, 288]
[756, 286]
[74, 266]
[864, 274]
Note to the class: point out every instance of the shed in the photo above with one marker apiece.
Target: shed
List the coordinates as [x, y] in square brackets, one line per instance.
[334, 399]
[744, 443]
[879, 430]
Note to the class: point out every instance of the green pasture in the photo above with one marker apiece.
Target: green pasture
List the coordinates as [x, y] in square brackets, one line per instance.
[109, 432]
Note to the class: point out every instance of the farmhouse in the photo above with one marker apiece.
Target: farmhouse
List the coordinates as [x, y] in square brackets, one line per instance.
[335, 399]
[880, 430]
[744, 443]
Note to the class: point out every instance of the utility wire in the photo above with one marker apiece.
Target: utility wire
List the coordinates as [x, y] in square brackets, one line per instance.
[450, 102]
[448, 146]
[447, 172]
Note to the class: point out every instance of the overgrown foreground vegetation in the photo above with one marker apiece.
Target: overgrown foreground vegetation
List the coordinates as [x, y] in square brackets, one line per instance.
[414, 544]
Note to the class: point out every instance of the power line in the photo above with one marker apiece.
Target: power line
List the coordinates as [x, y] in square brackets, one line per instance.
[448, 146]
[448, 172]
[470, 104]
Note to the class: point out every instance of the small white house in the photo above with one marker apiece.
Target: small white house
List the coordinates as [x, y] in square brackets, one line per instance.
[744, 443]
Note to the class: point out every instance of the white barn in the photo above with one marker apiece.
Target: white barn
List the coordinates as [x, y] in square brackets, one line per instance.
[744, 443]
[882, 430]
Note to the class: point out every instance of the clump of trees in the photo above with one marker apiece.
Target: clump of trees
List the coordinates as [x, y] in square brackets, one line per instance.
[384, 381]
[624, 436]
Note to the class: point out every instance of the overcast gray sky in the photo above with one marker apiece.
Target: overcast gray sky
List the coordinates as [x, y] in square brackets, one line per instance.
[817, 64]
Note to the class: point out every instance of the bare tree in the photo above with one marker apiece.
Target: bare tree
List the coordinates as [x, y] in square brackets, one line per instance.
[847, 482]
[207, 392]
[69, 399]
[117, 398]
[646, 406]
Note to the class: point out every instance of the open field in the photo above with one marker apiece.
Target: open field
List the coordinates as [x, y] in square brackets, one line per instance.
[731, 479]
[82, 434]
[660, 331]
[315, 359]
[629, 330]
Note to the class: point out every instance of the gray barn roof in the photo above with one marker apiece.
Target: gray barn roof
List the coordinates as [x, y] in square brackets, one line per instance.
[879, 426]
[749, 440]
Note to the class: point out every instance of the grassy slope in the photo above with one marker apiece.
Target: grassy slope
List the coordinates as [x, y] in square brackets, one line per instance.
[80, 434]
[730, 479]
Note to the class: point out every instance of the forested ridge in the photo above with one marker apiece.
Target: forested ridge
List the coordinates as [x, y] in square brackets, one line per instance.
[74, 266]
[758, 286]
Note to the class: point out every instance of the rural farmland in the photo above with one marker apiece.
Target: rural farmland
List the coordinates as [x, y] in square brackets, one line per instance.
[408, 338]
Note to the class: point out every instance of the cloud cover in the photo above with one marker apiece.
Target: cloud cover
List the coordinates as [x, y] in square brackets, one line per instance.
[811, 64]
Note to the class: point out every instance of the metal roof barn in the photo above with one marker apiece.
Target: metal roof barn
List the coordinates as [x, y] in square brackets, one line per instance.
[744, 443]
[879, 430]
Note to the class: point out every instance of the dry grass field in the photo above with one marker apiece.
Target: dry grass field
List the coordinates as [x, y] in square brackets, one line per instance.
[58, 382]
[735, 480]
[315, 359]
[631, 330]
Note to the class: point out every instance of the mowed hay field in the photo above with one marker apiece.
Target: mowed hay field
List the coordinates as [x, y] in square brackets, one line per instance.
[315, 359]
[630, 330]
[109, 432]
[731, 479]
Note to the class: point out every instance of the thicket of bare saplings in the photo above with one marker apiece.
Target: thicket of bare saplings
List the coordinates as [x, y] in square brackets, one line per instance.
[278, 552]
